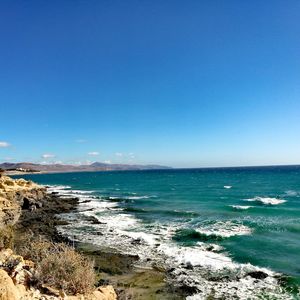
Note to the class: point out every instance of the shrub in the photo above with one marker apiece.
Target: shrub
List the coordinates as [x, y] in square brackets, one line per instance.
[60, 266]
[6, 237]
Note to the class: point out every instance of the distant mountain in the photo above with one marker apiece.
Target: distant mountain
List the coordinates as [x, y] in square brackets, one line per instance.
[97, 166]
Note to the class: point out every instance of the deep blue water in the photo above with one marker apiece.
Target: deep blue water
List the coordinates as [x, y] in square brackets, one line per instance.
[253, 213]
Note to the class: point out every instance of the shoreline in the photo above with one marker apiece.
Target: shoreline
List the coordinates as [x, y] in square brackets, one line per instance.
[130, 281]
[127, 273]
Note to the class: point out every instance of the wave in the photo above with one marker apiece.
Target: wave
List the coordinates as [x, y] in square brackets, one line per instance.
[80, 192]
[224, 229]
[127, 198]
[134, 209]
[96, 206]
[227, 186]
[267, 200]
[200, 267]
[241, 207]
[54, 188]
[138, 197]
[212, 232]
[175, 213]
[118, 221]
[187, 235]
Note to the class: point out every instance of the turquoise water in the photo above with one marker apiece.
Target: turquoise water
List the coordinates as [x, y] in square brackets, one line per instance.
[250, 215]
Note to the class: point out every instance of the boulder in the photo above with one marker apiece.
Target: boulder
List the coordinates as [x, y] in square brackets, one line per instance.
[8, 290]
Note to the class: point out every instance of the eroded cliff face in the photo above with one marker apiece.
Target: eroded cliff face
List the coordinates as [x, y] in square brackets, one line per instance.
[16, 194]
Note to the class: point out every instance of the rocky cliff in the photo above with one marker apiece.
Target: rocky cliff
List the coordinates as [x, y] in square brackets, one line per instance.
[16, 194]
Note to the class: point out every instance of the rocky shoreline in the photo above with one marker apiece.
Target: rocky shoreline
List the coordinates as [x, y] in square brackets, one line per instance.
[27, 210]
[36, 213]
[113, 268]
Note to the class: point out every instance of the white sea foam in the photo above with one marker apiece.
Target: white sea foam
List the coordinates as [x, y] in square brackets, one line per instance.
[52, 188]
[96, 206]
[79, 192]
[224, 229]
[227, 186]
[150, 239]
[119, 221]
[211, 272]
[195, 256]
[210, 247]
[267, 200]
[241, 207]
[138, 197]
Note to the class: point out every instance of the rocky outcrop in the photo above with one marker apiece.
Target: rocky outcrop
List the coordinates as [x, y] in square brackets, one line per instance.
[17, 278]
[17, 275]
[15, 195]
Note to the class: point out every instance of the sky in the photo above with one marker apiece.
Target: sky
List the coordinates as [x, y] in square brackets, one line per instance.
[180, 83]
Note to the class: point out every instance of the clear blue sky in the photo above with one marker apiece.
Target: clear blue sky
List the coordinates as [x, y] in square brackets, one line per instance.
[181, 83]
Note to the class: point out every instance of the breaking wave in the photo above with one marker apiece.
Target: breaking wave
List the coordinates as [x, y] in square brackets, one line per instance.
[267, 200]
[241, 207]
[203, 267]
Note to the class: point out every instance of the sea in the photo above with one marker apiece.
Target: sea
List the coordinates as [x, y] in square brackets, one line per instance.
[227, 233]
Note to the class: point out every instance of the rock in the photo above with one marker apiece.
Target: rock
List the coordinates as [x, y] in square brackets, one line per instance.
[104, 293]
[258, 274]
[50, 290]
[189, 266]
[15, 283]
[158, 267]
[8, 290]
[137, 241]
[101, 293]
[16, 194]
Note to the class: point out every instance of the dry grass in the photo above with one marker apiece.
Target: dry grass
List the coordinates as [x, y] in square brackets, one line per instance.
[59, 266]
[6, 237]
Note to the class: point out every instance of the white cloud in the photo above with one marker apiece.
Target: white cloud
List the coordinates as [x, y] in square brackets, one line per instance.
[131, 155]
[107, 162]
[4, 144]
[93, 153]
[48, 155]
[119, 154]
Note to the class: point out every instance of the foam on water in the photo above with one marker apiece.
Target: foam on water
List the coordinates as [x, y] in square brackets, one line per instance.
[267, 200]
[58, 188]
[79, 192]
[210, 247]
[96, 206]
[212, 271]
[241, 207]
[224, 229]
[137, 197]
[118, 220]
[227, 186]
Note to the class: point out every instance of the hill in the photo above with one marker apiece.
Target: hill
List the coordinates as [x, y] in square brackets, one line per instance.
[97, 166]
